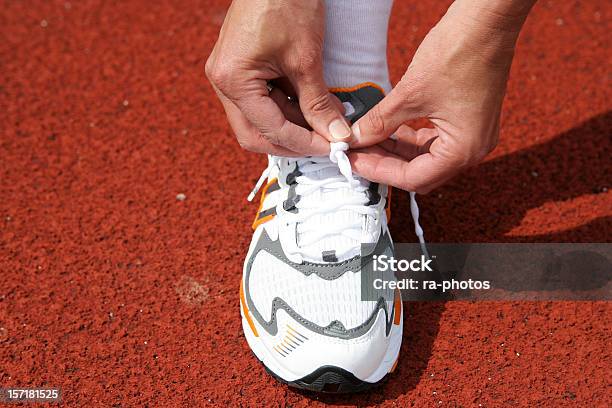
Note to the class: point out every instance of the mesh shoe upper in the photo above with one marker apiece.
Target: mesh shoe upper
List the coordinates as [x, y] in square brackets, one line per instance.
[307, 259]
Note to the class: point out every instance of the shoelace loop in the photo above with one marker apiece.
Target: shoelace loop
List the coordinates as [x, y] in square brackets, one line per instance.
[337, 156]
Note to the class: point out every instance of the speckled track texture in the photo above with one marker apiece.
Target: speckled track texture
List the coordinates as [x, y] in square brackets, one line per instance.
[125, 296]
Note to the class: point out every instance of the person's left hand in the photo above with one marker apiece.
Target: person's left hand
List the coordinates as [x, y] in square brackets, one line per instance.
[280, 42]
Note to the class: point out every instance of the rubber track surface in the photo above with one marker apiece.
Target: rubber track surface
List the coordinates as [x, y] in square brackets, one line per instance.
[124, 296]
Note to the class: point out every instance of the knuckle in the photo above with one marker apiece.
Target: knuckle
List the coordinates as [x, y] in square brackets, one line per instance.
[209, 67]
[271, 137]
[318, 104]
[220, 72]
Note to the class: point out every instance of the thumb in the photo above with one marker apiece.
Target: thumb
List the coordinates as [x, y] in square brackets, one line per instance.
[384, 119]
[320, 108]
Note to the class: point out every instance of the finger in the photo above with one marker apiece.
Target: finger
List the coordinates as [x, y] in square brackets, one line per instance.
[319, 106]
[267, 117]
[409, 143]
[293, 110]
[289, 107]
[418, 136]
[385, 118]
[421, 174]
[247, 135]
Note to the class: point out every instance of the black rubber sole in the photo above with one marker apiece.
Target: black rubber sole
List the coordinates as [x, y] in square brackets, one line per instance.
[330, 380]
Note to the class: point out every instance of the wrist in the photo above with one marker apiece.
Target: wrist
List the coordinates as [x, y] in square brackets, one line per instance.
[488, 29]
[506, 16]
[511, 10]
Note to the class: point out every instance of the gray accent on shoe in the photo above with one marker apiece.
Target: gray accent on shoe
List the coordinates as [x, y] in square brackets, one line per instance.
[265, 213]
[373, 193]
[335, 328]
[325, 271]
[292, 199]
[290, 180]
[329, 256]
[273, 187]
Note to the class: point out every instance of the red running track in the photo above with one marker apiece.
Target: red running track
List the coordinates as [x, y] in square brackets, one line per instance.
[124, 296]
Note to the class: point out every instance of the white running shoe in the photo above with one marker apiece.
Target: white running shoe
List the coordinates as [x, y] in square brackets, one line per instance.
[301, 291]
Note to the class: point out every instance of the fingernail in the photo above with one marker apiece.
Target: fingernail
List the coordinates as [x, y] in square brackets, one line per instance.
[356, 131]
[339, 130]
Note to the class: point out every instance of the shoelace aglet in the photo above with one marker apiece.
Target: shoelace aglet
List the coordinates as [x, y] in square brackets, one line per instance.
[273, 161]
[261, 180]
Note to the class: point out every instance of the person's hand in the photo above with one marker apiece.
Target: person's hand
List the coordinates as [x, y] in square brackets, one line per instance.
[279, 41]
[457, 79]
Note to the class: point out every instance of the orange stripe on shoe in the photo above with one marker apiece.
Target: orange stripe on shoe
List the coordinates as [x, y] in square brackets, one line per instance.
[263, 220]
[246, 311]
[258, 221]
[397, 308]
[356, 87]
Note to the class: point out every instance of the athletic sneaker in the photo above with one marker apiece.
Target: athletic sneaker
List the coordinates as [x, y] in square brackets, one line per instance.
[301, 291]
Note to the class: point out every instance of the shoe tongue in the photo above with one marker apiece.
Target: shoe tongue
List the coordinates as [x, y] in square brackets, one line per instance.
[329, 248]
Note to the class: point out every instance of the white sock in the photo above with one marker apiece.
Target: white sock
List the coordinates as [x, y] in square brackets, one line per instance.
[355, 46]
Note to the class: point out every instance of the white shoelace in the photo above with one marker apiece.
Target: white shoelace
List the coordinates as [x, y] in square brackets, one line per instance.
[355, 201]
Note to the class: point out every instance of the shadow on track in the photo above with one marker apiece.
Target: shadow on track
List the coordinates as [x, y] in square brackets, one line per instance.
[483, 205]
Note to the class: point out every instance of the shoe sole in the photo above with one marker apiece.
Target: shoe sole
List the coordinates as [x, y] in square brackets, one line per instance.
[325, 379]
[329, 380]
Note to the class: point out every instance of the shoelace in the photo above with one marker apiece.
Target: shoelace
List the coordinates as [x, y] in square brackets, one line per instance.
[355, 202]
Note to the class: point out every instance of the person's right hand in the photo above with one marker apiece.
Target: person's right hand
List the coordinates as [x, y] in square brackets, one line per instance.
[457, 79]
[266, 40]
